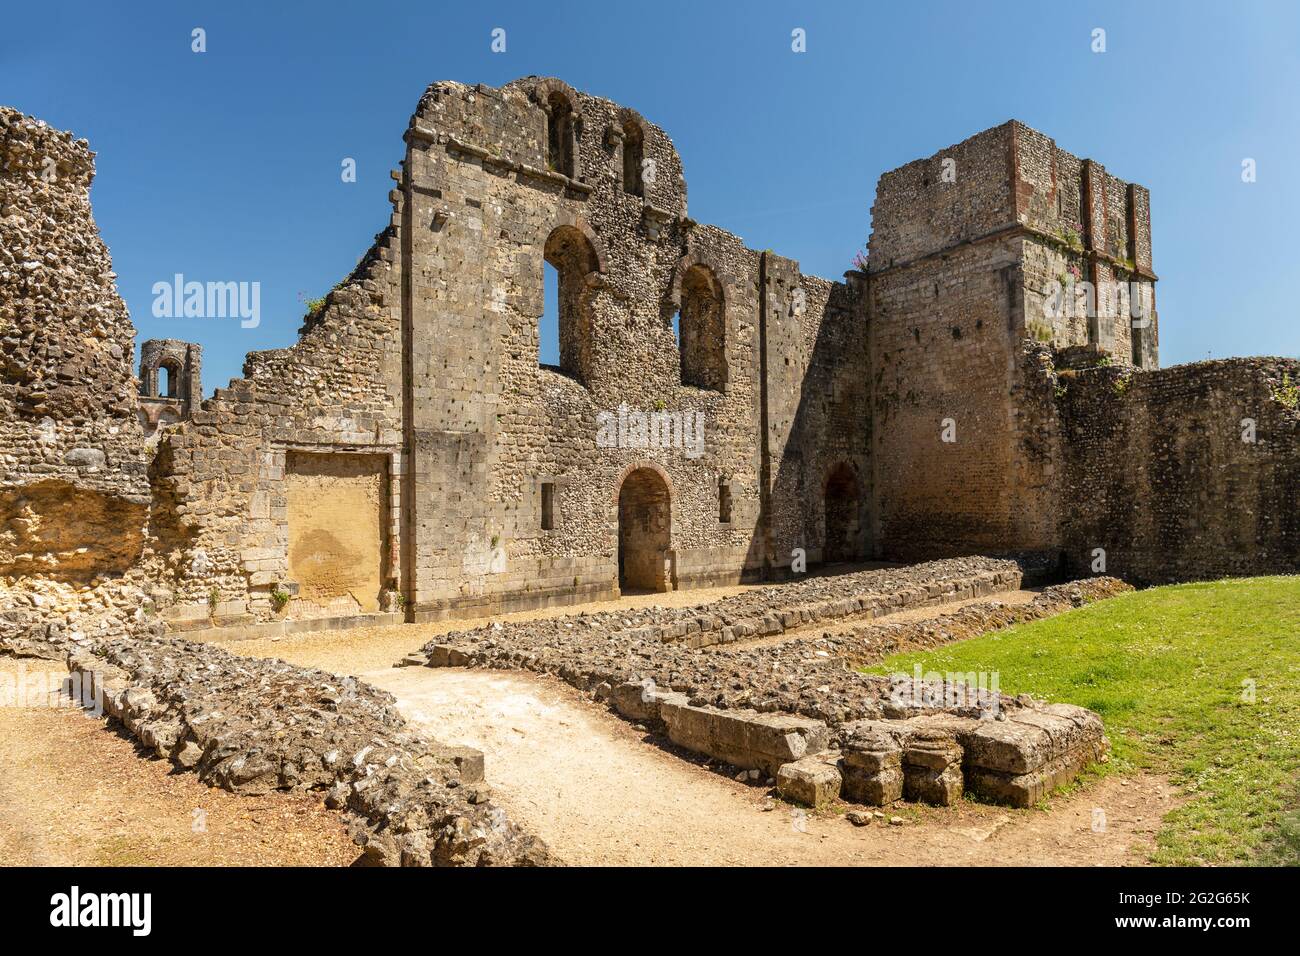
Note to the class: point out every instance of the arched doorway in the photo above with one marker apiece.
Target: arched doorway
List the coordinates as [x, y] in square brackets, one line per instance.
[644, 532]
[843, 504]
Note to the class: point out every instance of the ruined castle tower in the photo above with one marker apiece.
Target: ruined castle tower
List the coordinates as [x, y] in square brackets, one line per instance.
[965, 249]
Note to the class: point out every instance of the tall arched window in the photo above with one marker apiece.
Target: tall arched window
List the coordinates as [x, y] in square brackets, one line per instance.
[574, 260]
[702, 330]
[559, 133]
[633, 156]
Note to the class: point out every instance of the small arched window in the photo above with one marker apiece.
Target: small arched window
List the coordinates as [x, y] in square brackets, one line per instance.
[702, 330]
[633, 158]
[559, 134]
[169, 379]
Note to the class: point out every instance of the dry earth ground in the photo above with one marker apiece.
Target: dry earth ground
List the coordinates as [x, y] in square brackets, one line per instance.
[75, 793]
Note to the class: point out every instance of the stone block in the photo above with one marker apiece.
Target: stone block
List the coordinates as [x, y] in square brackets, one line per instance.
[642, 701]
[743, 737]
[1030, 737]
[875, 788]
[814, 780]
[1027, 789]
[924, 784]
[468, 761]
[931, 749]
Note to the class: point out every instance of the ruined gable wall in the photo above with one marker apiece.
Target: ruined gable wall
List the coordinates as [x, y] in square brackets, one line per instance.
[73, 495]
[495, 425]
[1158, 476]
[219, 532]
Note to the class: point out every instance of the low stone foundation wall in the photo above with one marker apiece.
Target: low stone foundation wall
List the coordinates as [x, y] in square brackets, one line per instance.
[769, 611]
[251, 726]
[870, 643]
[783, 707]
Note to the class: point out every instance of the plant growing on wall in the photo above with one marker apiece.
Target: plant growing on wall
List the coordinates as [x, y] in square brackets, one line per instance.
[1287, 392]
[280, 598]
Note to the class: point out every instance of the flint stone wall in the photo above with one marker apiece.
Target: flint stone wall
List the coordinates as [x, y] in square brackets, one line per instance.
[73, 494]
[1189, 472]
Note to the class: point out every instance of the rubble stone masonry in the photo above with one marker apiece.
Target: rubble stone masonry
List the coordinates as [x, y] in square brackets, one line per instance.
[73, 494]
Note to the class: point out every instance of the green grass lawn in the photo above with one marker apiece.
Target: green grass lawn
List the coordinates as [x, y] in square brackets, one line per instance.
[1169, 669]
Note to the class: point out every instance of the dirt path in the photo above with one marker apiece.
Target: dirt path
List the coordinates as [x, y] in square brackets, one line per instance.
[599, 793]
[74, 793]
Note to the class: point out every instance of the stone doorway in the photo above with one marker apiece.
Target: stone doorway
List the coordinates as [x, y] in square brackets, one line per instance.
[644, 533]
[843, 505]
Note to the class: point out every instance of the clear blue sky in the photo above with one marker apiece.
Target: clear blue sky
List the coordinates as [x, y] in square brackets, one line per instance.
[225, 165]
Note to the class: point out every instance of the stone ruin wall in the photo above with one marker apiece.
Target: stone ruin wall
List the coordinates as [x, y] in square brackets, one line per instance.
[1158, 475]
[816, 408]
[959, 277]
[444, 324]
[431, 345]
[1082, 224]
[499, 426]
[162, 406]
[220, 535]
[943, 324]
[73, 493]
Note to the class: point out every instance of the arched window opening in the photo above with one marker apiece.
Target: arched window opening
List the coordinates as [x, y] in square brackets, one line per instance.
[559, 134]
[633, 157]
[702, 330]
[169, 379]
[573, 258]
[548, 327]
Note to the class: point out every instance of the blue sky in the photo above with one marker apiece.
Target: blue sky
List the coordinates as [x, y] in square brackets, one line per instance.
[226, 165]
